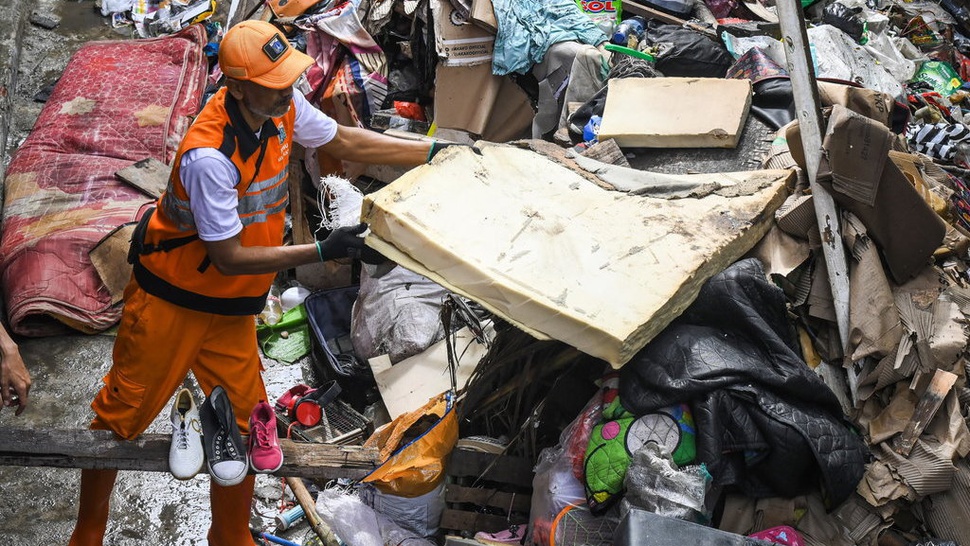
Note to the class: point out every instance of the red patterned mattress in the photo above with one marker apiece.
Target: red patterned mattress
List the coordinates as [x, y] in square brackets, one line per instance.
[117, 102]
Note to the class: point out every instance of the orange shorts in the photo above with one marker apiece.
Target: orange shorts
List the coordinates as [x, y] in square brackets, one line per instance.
[158, 344]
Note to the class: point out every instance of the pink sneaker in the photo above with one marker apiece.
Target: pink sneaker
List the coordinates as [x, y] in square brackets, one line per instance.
[513, 535]
[265, 455]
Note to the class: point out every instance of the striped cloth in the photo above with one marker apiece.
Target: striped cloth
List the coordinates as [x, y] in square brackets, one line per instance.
[937, 140]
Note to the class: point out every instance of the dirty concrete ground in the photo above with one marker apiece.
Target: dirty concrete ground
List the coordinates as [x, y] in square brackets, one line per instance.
[38, 505]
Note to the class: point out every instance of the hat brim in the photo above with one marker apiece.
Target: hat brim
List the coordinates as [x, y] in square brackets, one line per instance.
[285, 73]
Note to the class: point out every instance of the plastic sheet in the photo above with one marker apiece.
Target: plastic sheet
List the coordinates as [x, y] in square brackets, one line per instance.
[838, 57]
[654, 483]
[396, 314]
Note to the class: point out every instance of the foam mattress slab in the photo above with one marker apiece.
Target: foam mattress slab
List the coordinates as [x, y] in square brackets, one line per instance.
[556, 255]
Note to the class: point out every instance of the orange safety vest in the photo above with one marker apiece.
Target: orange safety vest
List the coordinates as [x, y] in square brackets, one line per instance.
[172, 262]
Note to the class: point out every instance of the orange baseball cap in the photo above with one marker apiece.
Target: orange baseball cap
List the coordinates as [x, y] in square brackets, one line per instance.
[257, 51]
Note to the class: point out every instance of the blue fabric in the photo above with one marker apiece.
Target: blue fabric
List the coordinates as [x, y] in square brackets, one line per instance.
[526, 30]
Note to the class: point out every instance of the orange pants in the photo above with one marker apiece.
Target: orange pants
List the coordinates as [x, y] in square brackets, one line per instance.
[158, 344]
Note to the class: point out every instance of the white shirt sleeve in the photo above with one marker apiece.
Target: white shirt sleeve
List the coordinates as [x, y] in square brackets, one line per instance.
[210, 180]
[312, 128]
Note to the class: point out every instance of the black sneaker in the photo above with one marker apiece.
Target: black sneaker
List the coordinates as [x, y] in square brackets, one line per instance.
[224, 448]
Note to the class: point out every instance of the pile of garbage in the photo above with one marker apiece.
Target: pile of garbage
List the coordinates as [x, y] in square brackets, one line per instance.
[758, 412]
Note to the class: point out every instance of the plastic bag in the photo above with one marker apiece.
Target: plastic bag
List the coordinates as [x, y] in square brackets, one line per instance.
[654, 483]
[414, 467]
[605, 13]
[360, 525]
[940, 76]
[559, 471]
[115, 6]
[845, 19]
[554, 487]
[686, 53]
[421, 515]
[397, 314]
[782, 534]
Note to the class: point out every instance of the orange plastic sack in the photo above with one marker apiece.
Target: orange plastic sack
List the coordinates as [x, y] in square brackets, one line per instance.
[417, 467]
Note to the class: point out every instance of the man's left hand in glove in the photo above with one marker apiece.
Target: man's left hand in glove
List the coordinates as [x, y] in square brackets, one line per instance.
[346, 242]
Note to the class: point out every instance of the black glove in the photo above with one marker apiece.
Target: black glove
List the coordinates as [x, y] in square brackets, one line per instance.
[438, 146]
[345, 242]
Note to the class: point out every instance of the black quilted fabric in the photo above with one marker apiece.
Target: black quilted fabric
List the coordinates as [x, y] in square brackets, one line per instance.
[765, 422]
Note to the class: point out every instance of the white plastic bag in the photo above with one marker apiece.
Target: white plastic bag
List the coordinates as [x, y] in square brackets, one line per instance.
[360, 525]
[115, 6]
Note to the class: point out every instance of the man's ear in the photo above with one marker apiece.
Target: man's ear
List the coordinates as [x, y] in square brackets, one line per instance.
[235, 88]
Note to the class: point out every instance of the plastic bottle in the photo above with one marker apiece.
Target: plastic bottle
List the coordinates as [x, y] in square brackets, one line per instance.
[273, 310]
[289, 518]
[627, 29]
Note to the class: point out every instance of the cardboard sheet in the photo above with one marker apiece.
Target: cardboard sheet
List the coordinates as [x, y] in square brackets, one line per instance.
[676, 112]
[110, 259]
[471, 98]
[558, 256]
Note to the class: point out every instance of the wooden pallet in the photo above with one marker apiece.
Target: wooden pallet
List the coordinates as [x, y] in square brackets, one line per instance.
[486, 492]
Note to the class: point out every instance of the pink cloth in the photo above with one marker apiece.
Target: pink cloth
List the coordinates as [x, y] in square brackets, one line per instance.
[782, 534]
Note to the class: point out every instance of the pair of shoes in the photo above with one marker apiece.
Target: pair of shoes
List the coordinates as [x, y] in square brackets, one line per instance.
[515, 534]
[213, 430]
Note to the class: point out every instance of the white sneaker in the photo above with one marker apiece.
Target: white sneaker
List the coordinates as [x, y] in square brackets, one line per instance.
[185, 457]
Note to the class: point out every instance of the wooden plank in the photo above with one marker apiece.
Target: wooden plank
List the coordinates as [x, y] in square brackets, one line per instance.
[636, 8]
[149, 452]
[465, 463]
[508, 502]
[810, 125]
[301, 227]
[472, 521]
[926, 408]
[150, 176]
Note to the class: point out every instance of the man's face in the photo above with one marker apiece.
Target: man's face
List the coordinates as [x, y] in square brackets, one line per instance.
[265, 102]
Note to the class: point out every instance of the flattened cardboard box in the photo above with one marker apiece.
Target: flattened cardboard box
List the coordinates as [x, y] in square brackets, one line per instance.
[855, 167]
[473, 99]
[483, 15]
[457, 41]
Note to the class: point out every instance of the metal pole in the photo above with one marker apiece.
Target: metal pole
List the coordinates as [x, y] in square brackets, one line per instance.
[810, 125]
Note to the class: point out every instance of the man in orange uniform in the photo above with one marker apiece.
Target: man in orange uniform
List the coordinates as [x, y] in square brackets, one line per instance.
[209, 255]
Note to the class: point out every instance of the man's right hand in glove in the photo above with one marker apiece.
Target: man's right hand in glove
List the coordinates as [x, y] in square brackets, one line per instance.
[346, 242]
